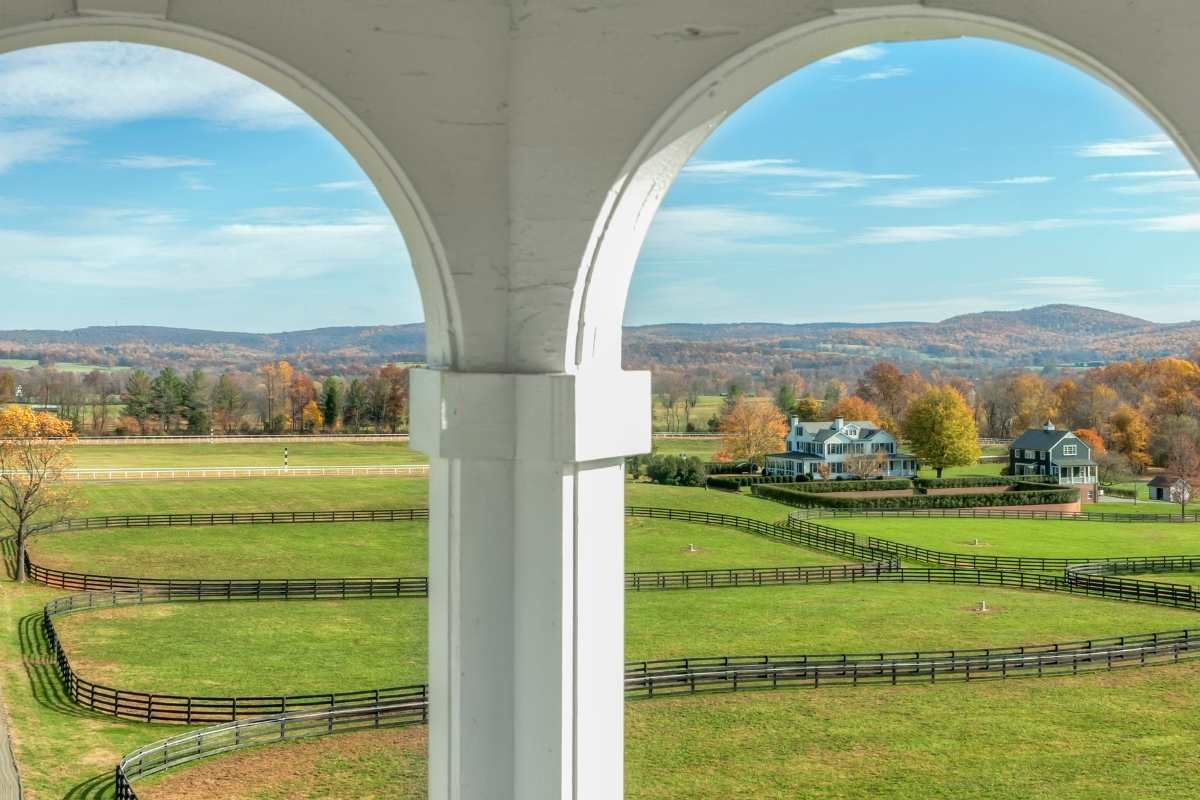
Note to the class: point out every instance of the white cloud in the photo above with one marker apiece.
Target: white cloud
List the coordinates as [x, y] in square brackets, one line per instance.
[110, 82]
[818, 181]
[1144, 173]
[1051, 288]
[341, 186]
[158, 162]
[135, 251]
[24, 146]
[928, 197]
[1176, 223]
[1023, 180]
[1124, 148]
[195, 184]
[698, 231]
[1160, 187]
[882, 74]
[867, 52]
[913, 234]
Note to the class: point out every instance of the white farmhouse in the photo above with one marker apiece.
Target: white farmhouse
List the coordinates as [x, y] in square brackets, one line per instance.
[812, 444]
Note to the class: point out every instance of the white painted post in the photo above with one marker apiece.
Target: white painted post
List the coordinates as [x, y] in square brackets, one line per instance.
[526, 603]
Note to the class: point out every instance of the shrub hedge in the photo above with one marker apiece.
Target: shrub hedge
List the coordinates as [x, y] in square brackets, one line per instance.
[823, 487]
[734, 482]
[729, 467]
[795, 497]
[962, 482]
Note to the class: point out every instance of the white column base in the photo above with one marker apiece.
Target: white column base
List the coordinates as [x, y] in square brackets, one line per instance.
[526, 605]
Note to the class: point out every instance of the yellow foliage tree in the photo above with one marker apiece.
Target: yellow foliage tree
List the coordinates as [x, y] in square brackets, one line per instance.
[1129, 434]
[33, 455]
[311, 419]
[940, 427]
[853, 407]
[750, 430]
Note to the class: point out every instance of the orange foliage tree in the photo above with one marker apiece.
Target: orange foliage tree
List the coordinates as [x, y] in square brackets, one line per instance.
[1130, 434]
[750, 430]
[1093, 439]
[853, 407]
[33, 455]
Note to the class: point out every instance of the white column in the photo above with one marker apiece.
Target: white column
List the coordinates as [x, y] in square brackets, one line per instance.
[526, 604]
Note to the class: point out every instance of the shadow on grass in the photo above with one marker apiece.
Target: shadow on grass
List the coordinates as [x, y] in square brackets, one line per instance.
[99, 787]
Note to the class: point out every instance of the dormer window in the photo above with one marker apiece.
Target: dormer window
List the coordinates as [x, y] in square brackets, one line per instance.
[1070, 450]
[851, 431]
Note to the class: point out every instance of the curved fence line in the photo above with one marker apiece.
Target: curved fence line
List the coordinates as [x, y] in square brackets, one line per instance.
[751, 576]
[243, 438]
[987, 513]
[411, 708]
[190, 710]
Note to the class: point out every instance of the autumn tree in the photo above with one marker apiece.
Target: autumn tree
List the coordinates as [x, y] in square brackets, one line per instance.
[1092, 439]
[752, 429]
[227, 403]
[885, 386]
[855, 408]
[310, 417]
[809, 408]
[865, 465]
[1129, 434]
[1169, 430]
[941, 429]
[1183, 464]
[354, 408]
[33, 455]
[785, 398]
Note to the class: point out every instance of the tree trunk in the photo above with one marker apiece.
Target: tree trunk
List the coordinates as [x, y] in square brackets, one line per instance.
[19, 567]
[939, 472]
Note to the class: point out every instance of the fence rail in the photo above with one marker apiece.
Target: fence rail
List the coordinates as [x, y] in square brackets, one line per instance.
[988, 513]
[751, 576]
[407, 706]
[237, 518]
[242, 438]
[170, 708]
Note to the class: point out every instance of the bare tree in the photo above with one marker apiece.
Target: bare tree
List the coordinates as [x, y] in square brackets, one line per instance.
[33, 455]
[865, 465]
[1183, 463]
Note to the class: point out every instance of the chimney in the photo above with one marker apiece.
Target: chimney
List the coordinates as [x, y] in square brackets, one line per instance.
[795, 422]
[1049, 426]
[839, 423]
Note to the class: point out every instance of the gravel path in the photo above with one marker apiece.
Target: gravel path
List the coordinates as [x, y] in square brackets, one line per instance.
[10, 781]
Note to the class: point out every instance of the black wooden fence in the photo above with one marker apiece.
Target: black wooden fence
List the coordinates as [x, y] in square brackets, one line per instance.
[236, 518]
[751, 576]
[987, 513]
[155, 707]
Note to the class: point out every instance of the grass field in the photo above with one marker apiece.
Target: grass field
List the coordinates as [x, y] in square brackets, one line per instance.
[957, 472]
[339, 645]
[63, 366]
[252, 454]
[251, 494]
[1125, 734]
[708, 405]
[1095, 737]
[1007, 537]
[702, 448]
[370, 549]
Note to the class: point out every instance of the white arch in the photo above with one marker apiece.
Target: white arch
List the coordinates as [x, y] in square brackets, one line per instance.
[381, 167]
[594, 330]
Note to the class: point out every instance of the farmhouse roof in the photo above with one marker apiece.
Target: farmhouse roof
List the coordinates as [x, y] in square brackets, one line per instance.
[1163, 481]
[1039, 439]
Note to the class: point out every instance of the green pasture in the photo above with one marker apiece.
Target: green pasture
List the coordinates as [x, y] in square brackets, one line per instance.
[272, 647]
[1096, 737]
[702, 448]
[958, 472]
[61, 366]
[708, 405]
[250, 454]
[1011, 537]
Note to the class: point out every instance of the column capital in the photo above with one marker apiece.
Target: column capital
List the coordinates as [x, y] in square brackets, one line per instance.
[555, 417]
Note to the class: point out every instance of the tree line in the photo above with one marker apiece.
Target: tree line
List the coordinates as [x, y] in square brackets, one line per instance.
[278, 397]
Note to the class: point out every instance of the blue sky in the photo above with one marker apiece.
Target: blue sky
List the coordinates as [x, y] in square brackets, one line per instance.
[900, 181]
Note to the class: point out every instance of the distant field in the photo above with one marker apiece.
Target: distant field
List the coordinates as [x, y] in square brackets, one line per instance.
[1008, 537]
[704, 449]
[61, 366]
[955, 472]
[709, 404]
[253, 454]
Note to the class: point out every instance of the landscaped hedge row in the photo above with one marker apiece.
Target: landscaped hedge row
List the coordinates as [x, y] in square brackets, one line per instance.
[822, 487]
[797, 497]
[962, 482]
[729, 467]
[734, 482]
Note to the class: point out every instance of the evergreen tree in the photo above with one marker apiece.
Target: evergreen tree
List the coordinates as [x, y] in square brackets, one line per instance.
[227, 403]
[137, 399]
[195, 401]
[166, 398]
[355, 405]
[332, 401]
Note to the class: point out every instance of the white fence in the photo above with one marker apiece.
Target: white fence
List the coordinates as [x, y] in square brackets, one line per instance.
[272, 439]
[209, 473]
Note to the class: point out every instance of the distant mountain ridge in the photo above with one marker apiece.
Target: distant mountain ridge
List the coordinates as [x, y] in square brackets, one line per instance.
[970, 343]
